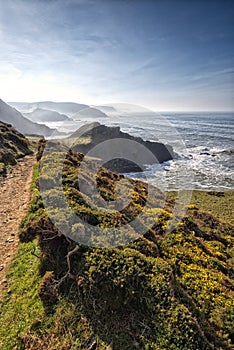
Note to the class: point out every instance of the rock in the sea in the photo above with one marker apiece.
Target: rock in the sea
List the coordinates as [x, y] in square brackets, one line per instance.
[124, 152]
[205, 153]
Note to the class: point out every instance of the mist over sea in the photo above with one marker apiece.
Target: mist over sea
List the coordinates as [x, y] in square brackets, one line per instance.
[203, 142]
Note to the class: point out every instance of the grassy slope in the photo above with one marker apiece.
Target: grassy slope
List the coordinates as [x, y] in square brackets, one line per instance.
[219, 204]
[13, 146]
[167, 291]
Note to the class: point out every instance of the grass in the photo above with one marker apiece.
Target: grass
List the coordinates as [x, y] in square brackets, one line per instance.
[165, 291]
[23, 320]
[21, 304]
[218, 204]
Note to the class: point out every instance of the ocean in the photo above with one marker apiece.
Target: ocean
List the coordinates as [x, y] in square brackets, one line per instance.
[203, 143]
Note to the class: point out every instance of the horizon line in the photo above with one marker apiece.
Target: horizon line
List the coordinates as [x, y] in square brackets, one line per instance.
[150, 108]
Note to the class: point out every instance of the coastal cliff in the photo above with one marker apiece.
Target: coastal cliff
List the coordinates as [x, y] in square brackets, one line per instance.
[162, 290]
[127, 153]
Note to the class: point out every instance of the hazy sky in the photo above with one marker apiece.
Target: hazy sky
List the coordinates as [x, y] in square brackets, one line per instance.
[167, 55]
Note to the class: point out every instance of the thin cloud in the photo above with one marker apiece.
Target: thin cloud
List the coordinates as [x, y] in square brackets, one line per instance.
[105, 49]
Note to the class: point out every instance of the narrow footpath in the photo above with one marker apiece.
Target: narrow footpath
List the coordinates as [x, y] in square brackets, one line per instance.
[14, 201]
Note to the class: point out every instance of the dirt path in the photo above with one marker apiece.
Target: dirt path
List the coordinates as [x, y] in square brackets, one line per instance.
[14, 200]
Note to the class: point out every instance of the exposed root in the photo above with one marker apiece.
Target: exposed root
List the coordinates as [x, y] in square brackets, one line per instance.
[68, 273]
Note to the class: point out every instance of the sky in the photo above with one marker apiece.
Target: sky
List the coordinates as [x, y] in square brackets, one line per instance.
[165, 55]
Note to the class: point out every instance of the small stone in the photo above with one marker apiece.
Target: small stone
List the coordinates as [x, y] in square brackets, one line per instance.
[9, 240]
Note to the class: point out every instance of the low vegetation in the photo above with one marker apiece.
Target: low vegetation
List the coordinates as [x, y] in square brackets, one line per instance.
[164, 290]
[13, 146]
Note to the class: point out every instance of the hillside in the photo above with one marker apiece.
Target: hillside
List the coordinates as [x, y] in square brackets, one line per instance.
[12, 116]
[167, 290]
[90, 112]
[13, 145]
[45, 115]
[67, 108]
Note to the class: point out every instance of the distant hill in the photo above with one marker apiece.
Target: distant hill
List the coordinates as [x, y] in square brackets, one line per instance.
[120, 109]
[107, 109]
[68, 108]
[90, 112]
[45, 115]
[13, 145]
[12, 116]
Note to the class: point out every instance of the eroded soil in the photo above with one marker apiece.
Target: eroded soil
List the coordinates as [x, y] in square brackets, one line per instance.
[14, 201]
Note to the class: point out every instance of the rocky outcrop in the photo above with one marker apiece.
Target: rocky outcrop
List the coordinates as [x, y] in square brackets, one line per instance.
[125, 152]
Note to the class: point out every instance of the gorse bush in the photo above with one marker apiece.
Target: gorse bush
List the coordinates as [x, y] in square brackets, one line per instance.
[165, 290]
[13, 146]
